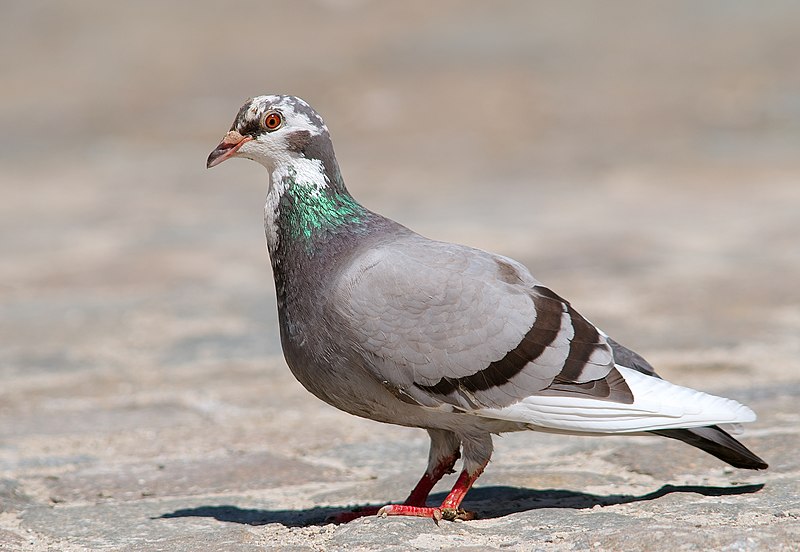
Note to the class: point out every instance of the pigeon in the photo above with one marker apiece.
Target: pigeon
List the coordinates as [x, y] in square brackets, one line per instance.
[383, 323]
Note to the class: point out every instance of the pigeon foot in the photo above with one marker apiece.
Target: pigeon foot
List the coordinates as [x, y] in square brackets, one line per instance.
[415, 511]
[436, 514]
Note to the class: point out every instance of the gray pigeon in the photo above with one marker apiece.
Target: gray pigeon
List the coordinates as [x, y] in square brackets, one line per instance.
[386, 324]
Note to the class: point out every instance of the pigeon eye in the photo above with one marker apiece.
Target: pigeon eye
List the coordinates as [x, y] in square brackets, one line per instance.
[272, 121]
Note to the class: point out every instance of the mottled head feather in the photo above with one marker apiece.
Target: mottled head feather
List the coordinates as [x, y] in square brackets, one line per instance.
[307, 197]
[303, 134]
[294, 110]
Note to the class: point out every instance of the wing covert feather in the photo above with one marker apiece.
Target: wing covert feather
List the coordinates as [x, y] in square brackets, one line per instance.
[448, 324]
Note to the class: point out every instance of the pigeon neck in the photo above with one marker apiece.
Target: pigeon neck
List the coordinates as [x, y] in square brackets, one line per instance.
[307, 200]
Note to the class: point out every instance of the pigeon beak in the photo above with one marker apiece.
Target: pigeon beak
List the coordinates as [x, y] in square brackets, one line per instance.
[227, 148]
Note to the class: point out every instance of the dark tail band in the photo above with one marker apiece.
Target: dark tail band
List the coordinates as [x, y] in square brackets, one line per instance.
[717, 442]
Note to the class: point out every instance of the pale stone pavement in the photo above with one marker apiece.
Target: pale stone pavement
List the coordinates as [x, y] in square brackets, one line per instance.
[641, 158]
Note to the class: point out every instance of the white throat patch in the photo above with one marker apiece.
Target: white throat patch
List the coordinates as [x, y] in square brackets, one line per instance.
[308, 174]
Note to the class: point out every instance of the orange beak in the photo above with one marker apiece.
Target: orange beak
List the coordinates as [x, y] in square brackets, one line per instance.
[227, 148]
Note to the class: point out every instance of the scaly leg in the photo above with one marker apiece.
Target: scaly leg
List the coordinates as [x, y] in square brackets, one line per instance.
[449, 509]
[477, 451]
[442, 458]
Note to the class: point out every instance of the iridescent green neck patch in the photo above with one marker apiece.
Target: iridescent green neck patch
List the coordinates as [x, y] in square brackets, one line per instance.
[306, 210]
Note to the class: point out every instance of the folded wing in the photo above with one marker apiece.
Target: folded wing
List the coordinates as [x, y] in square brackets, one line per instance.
[454, 327]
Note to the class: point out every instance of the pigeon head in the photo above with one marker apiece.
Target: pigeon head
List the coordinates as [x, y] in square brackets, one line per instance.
[307, 197]
[276, 131]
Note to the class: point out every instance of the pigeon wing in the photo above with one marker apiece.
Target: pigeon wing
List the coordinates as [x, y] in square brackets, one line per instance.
[442, 324]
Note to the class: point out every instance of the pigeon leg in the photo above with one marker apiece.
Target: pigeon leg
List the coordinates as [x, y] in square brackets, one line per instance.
[430, 478]
[414, 502]
[443, 455]
[449, 509]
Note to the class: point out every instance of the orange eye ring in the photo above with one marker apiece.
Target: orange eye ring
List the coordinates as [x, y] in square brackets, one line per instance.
[272, 121]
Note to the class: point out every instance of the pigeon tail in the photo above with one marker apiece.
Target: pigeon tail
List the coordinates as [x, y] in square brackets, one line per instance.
[716, 442]
[657, 405]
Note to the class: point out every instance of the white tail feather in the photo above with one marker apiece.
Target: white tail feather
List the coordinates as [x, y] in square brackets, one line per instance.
[657, 404]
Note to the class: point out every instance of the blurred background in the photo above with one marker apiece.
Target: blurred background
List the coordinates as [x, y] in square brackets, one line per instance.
[640, 157]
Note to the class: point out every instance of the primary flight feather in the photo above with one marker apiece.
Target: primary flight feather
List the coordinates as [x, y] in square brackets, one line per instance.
[386, 324]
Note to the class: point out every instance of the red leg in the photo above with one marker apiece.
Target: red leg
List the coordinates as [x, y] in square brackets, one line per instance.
[415, 501]
[449, 509]
[460, 489]
[420, 493]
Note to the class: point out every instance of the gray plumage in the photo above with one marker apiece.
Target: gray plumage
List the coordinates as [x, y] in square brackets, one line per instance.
[383, 323]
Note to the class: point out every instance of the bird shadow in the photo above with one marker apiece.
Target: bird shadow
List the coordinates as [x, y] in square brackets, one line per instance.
[486, 502]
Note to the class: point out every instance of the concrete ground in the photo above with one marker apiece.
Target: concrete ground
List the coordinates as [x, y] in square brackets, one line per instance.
[641, 158]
